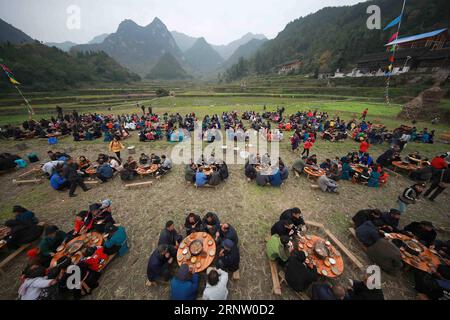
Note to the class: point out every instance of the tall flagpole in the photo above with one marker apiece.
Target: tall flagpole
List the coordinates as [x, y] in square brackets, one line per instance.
[30, 109]
[393, 54]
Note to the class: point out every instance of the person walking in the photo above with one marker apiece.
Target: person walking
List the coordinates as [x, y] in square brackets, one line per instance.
[116, 146]
[439, 182]
[70, 172]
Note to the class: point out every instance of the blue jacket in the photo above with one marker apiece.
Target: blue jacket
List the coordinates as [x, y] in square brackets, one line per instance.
[184, 290]
[275, 179]
[345, 171]
[322, 292]
[367, 233]
[119, 238]
[105, 170]
[27, 217]
[200, 179]
[374, 179]
[56, 181]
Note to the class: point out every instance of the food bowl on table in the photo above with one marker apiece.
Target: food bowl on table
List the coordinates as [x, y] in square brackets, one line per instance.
[413, 247]
[321, 250]
[74, 247]
[196, 247]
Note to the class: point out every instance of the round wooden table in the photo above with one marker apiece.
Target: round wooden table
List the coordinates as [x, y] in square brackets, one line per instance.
[199, 262]
[146, 171]
[316, 173]
[209, 170]
[426, 261]
[85, 240]
[324, 267]
[91, 171]
[405, 166]
[357, 167]
[262, 168]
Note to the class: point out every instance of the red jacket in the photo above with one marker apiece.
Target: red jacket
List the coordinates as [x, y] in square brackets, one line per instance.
[439, 163]
[307, 145]
[97, 260]
[364, 146]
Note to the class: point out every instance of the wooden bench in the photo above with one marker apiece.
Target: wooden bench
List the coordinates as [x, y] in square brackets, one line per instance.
[276, 288]
[139, 184]
[30, 172]
[33, 181]
[18, 251]
[12, 256]
[204, 186]
[300, 295]
[338, 243]
[111, 257]
[344, 249]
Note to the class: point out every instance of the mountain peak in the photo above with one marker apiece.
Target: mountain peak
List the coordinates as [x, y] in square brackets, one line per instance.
[127, 25]
[157, 23]
[201, 41]
[156, 20]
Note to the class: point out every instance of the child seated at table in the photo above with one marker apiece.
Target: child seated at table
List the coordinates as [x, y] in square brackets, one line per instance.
[94, 258]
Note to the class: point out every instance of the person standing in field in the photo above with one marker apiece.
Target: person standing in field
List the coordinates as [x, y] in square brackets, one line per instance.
[116, 146]
[363, 147]
[364, 114]
[307, 147]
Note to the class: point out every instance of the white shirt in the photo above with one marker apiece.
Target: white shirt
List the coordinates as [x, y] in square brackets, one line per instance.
[49, 166]
[32, 288]
[115, 165]
[219, 291]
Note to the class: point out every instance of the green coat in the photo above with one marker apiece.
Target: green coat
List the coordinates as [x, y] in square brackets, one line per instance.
[275, 249]
[48, 245]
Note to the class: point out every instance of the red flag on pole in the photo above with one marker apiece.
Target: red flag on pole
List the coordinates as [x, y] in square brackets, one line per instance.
[393, 37]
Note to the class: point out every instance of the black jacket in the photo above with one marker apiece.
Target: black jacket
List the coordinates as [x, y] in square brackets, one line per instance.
[287, 215]
[426, 237]
[169, 237]
[298, 276]
[230, 261]
[278, 228]
[231, 234]
[70, 172]
[190, 228]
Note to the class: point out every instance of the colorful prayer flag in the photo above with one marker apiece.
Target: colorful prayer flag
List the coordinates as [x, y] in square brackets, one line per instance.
[10, 75]
[393, 22]
[393, 37]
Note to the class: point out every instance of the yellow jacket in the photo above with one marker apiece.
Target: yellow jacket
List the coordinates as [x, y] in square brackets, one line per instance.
[115, 146]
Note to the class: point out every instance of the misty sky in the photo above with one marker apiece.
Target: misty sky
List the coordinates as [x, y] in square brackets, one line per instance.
[219, 21]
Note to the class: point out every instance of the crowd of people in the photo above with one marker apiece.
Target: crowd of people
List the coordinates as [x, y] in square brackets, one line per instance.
[372, 228]
[371, 225]
[210, 171]
[301, 277]
[184, 282]
[46, 279]
[264, 172]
